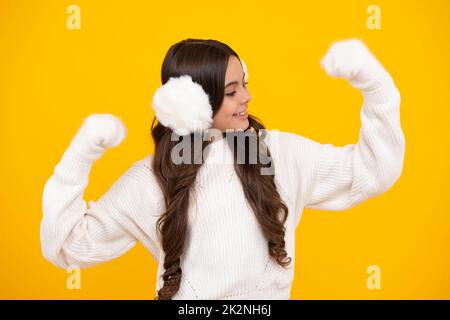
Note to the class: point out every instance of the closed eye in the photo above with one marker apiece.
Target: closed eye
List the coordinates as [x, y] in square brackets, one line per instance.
[231, 94]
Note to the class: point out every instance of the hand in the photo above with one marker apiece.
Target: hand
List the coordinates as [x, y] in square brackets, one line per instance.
[97, 133]
[352, 60]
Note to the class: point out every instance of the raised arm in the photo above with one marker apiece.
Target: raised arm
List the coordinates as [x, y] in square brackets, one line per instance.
[74, 233]
[339, 177]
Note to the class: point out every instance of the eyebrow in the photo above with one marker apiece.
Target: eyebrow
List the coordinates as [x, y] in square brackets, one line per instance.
[231, 83]
[234, 82]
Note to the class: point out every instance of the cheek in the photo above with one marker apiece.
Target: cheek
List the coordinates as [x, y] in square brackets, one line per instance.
[229, 109]
[226, 111]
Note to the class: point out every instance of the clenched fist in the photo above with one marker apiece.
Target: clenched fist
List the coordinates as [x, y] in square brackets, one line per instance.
[97, 133]
[352, 60]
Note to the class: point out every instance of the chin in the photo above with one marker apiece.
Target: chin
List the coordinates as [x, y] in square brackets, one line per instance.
[244, 125]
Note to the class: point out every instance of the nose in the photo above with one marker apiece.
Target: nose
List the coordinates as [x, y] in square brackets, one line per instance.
[246, 97]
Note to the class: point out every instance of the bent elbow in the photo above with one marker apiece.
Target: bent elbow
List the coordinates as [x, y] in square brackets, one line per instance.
[53, 256]
[392, 168]
[50, 248]
[389, 178]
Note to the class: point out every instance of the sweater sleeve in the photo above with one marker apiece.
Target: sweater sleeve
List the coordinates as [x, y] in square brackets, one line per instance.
[75, 233]
[340, 177]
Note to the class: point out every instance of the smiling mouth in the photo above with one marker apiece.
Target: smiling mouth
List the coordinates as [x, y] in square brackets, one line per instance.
[240, 114]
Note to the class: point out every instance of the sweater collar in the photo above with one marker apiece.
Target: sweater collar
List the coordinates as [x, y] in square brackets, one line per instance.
[218, 152]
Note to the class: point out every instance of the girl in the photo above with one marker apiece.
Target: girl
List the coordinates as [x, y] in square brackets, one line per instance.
[220, 228]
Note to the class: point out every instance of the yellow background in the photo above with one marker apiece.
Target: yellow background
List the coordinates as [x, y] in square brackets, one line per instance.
[51, 78]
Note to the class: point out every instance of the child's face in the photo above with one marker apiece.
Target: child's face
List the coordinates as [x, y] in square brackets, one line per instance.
[235, 100]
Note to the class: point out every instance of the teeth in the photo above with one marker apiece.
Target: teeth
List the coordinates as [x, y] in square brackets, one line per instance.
[240, 113]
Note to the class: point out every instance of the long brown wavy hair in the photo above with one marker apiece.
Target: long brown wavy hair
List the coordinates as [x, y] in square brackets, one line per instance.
[206, 62]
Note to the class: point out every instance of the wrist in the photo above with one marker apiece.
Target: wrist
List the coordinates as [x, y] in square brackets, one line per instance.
[85, 149]
[370, 80]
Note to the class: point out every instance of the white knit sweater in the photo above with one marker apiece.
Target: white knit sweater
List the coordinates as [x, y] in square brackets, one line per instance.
[226, 255]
